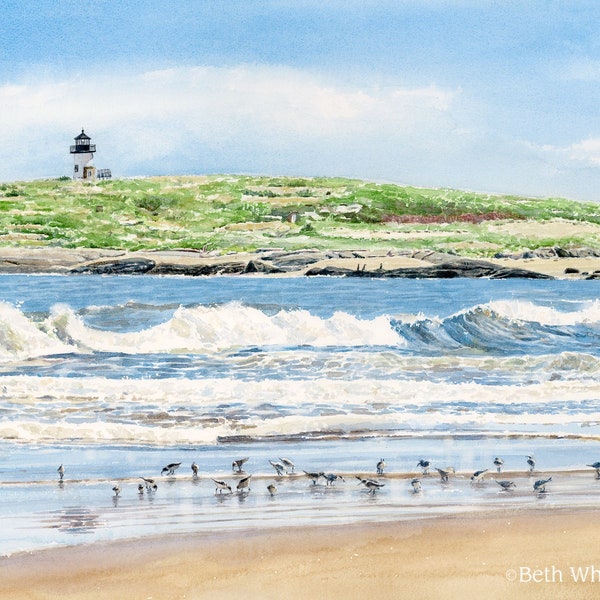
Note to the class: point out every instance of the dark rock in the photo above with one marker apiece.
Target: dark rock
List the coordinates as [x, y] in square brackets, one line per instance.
[198, 270]
[123, 266]
[571, 271]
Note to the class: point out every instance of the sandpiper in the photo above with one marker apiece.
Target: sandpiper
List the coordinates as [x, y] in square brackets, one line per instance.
[498, 462]
[596, 466]
[116, 489]
[244, 483]
[373, 486]
[288, 464]
[416, 485]
[170, 468]
[444, 474]
[380, 466]
[61, 472]
[279, 467]
[478, 475]
[272, 489]
[238, 464]
[221, 485]
[424, 464]
[540, 485]
[140, 489]
[194, 469]
[331, 478]
[150, 484]
[505, 484]
[314, 476]
[531, 463]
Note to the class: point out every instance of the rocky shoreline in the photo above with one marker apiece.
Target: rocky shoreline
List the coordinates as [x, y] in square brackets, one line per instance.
[413, 264]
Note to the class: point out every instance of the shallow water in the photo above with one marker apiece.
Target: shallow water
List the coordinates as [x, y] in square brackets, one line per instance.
[114, 377]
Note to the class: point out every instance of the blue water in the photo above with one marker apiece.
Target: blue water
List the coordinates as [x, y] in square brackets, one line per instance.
[116, 376]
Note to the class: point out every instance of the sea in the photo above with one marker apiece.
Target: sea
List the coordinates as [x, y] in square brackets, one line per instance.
[116, 377]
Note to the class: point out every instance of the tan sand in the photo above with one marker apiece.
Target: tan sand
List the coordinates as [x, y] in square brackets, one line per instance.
[510, 555]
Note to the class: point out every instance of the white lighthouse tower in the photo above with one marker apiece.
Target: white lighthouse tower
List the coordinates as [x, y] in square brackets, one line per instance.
[83, 154]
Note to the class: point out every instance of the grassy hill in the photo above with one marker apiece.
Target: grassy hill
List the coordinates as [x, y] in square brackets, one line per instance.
[243, 213]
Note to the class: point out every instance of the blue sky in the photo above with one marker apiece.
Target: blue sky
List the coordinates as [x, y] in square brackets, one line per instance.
[500, 97]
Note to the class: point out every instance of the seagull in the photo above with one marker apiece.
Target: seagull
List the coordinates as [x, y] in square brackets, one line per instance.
[194, 469]
[150, 484]
[424, 464]
[222, 485]
[478, 475]
[505, 484]
[596, 466]
[116, 489]
[61, 472]
[272, 489]
[279, 467]
[244, 483]
[314, 476]
[170, 468]
[498, 462]
[332, 477]
[380, 467]
[416, 484]
[531, 463]
[237, 464]
[289, 465]
[540, 485]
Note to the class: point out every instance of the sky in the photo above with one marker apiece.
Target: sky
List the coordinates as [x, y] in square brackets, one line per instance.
[491, 96]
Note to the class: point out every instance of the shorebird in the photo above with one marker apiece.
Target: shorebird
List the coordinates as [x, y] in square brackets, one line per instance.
[531, 463]
[272, 489]
[194, 469]
[140, 489]
[244, 483]
[540, 485]
[362, 480]
[238, 464]
[61, 472]
[279, 467]
[478, 475]
[221, 485]
[424, 464]
[288, 464]
[314, 476]
[498, 462]
[596, 466]
[380, 467]
[116, 489]
[444, 475]
[505, 484]
[170, 468]
[416, 485]
[372, 486]
[332, 477]
[150, 484]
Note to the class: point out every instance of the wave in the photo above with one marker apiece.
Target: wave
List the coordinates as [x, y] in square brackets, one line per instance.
[499, 328]
[179, 411]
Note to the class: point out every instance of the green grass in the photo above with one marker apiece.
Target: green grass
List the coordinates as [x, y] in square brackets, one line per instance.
[234, 213]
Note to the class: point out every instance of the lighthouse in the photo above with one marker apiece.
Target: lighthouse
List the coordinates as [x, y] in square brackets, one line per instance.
[83, 154]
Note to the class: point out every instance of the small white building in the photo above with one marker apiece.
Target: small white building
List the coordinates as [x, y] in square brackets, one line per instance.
[83, 154]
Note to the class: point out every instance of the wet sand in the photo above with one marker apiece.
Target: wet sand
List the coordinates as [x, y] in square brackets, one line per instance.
[518, 554]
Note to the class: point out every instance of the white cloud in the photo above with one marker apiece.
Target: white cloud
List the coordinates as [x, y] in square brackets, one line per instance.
[175, 110]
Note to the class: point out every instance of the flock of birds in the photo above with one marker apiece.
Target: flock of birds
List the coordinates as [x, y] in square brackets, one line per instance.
[285, 466]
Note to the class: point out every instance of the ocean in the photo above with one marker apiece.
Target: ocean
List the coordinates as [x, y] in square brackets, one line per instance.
[115, 377]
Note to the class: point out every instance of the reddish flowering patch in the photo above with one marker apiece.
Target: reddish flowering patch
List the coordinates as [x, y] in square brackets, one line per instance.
[451, 218]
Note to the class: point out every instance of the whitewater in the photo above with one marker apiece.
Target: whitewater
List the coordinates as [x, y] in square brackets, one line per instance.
[115, 375]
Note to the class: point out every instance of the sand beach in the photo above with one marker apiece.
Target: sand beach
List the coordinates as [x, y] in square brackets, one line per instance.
[523, 554]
